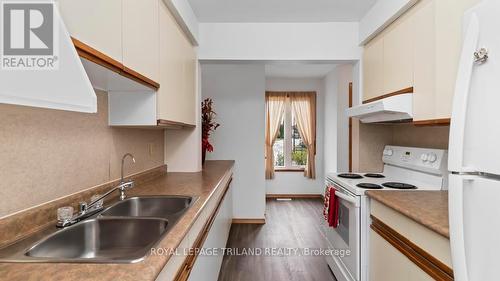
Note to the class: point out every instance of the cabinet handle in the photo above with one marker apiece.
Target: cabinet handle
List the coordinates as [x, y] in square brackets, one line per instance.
[481, 56]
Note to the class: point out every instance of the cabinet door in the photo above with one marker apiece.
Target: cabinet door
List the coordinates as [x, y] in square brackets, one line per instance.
[449, 18]
[388, 264]
[96, 23]
[140, 37]
[208, 267]
[373, 62]
[176, 96]
[424, 102]
[398, 56]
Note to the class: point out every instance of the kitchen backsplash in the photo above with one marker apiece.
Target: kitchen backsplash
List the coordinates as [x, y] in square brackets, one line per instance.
[48, 154]
[369, 141]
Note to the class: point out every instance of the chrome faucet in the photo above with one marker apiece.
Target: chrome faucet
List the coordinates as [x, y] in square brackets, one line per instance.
[125, 184]
[87, 210]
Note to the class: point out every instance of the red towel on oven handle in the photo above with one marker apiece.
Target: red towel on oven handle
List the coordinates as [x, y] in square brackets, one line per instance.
[333, 209]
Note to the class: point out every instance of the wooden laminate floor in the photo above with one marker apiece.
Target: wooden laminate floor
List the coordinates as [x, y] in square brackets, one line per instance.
[289, 224]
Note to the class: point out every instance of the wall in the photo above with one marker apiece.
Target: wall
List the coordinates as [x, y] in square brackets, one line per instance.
[336, 121]
[279, 41]
[428, 137]
[345, 77]
[238, 92]
[295, 182]
[370, 140]
[331, 82]
[48, 154]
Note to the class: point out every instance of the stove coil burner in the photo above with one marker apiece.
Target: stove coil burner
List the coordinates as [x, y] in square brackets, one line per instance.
[350, 176]
[399, 185]
[369, 186]
[371, 175]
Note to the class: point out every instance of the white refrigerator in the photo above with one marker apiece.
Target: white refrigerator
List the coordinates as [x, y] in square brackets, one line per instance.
[474, 149]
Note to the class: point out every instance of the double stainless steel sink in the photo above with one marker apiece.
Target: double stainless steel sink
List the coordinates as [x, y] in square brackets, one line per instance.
[125, 232]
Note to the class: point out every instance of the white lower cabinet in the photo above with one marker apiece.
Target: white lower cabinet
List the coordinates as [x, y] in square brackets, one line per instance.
[389, 264]
[207, 267]
[402, 249]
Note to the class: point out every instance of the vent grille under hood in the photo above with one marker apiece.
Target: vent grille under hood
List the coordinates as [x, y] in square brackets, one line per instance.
[391, 109]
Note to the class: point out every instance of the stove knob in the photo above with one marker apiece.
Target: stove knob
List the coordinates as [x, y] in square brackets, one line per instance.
[424, 157]
[432, 157]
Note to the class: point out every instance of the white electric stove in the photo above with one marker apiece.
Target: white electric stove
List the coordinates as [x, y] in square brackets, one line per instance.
[405, 168]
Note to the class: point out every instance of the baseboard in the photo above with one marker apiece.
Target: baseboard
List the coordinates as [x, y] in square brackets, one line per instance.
[294, 196]
[249, 221]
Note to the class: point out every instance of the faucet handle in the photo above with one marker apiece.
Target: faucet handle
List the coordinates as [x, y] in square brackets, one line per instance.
[82, 207]
[64, 213]
[131, 184]
[126, 184]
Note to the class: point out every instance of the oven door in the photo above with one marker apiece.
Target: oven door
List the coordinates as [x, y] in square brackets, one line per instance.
[346, 236]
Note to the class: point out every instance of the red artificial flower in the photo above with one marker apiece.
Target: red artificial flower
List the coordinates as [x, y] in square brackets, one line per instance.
[208, 124]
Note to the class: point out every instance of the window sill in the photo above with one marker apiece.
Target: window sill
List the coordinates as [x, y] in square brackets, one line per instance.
[278, 170]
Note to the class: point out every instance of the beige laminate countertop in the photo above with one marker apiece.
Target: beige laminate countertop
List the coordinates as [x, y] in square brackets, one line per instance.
[429, 208]
[202, 184]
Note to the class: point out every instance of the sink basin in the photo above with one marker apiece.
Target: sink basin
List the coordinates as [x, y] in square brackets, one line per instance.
[102, 240]
[125, 232]
[169, 207]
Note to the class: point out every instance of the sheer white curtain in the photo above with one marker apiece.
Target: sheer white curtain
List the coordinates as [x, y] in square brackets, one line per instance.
[275, 108]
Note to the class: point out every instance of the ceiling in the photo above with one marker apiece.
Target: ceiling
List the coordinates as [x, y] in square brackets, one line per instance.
[280, 10]
[298, 70]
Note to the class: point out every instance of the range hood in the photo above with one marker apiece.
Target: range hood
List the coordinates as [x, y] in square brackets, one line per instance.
[65, 87]
[396, 108]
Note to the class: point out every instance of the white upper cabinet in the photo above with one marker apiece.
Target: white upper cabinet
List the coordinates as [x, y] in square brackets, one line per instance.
[373, 63]
[420, 50]
[96, 23]
[166, 55]
[151, 79]
[388, 60]
[177, 95]
[398, 56]
[141, 37]
[425, 62]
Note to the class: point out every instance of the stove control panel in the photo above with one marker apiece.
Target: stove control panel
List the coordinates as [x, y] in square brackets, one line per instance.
[424, 159]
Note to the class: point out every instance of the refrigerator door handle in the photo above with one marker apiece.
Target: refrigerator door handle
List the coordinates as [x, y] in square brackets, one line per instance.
[457, 228]
[462, 89]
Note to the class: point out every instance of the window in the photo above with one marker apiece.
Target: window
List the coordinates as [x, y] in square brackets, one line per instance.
[290, 136]
[289, 150]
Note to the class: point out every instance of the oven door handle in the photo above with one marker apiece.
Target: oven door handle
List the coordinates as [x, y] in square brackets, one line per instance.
[346, 197]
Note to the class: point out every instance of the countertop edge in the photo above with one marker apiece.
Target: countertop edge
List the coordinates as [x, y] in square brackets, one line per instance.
[377, 195]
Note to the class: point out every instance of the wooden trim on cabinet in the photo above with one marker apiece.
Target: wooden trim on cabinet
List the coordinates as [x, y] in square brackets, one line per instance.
[294, 196]
[93, 55]
[400, 92]
[428, 263]
[139, 78]
[87, 52]
[350, 129]
[185, 270]
[174, 124]
[433, 122]
[249, 221]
